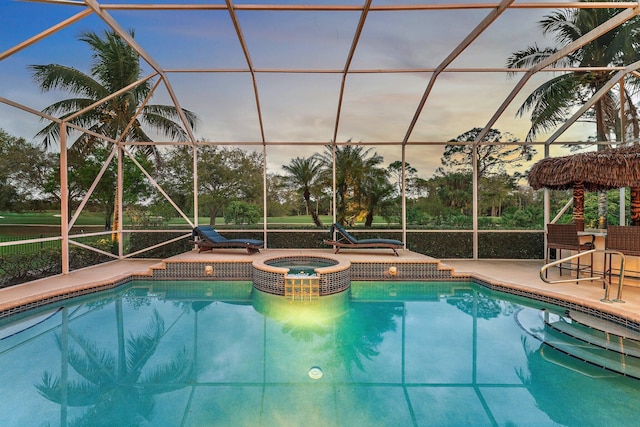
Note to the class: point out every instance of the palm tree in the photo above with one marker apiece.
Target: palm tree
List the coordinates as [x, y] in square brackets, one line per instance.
[303, 174]
[353, 164]
[555, 100]
[116, 65]
[552, 102]
[378, 195]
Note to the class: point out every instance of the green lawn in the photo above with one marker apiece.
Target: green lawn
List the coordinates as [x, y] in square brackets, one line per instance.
[48, 218]
[296, 220]
[36, 224]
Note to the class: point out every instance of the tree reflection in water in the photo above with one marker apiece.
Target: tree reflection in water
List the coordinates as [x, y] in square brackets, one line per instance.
[354, 335]
[487, 307]
[370, 322]
[113, 387]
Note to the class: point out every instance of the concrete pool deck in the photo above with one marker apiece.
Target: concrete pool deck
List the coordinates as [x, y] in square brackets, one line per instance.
[522, 275]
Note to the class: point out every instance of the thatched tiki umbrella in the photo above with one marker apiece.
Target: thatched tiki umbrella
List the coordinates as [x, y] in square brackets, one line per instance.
[593, 171]
[558, 173]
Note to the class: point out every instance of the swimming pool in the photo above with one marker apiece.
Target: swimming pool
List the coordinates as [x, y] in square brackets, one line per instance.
[219, 353]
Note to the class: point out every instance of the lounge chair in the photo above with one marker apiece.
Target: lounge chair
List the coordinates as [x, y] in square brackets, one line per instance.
[206, 238]
[346, 240]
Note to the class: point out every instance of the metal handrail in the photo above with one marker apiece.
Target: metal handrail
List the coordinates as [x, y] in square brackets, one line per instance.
[605, 283]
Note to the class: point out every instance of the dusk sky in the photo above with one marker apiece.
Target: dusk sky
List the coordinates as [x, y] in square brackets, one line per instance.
[296, 106]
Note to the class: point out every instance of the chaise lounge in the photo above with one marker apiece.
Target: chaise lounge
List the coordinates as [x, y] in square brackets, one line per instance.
[206, 238]
[346, 240]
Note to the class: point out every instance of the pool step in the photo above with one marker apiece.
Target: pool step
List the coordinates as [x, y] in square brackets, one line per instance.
[588, 339]
[614, 361]
[603, 325]
[603, 339]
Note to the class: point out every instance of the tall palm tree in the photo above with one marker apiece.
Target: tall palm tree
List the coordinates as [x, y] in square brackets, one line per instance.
[115, 65]
[353, 164]
[378, 195]
[303, 174]
[554, 101]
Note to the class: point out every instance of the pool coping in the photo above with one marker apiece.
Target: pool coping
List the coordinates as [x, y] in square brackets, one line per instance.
[20, 298]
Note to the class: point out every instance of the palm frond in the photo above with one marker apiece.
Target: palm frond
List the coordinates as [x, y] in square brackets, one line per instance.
[172, 375]
[93, 364]
[167, 127]
[166, 120]
[50, 134]
[562, 25]
[75, 393]
[115, 63]
[170, 112]
[55, 76]
[528, 57]
[142, 346]
[549, 104]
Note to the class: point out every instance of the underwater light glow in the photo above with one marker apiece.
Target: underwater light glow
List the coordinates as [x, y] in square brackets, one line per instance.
[315, 373]
[301, 313]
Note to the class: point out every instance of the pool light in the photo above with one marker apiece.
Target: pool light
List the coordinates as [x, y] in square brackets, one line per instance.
[315, 373]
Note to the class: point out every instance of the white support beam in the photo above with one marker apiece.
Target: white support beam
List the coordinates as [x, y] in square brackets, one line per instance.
[347, 65]
[483, 25]
[64, 199]
[247, 56]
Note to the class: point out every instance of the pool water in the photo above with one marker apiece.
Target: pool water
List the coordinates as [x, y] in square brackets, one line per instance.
[303, 270]
[301, 267]
[222, 354]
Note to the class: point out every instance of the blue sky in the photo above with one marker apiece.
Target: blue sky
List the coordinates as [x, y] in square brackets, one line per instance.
[296, 107]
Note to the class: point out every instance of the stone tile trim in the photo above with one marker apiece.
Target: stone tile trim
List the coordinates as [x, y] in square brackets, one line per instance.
[243, 270]
[333, 278]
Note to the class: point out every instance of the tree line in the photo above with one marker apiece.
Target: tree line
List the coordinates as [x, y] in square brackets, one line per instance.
[230, 180]
[230, 183]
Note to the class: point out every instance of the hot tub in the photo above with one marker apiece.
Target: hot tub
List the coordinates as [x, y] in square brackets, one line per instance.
[301, 277]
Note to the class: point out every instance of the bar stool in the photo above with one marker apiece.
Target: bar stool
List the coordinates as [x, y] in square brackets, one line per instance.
[565, 236]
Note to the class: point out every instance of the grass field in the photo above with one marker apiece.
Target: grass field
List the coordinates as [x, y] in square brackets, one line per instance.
[45, 224]
[48, 218]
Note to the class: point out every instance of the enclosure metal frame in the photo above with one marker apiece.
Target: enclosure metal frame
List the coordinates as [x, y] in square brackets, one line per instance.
[102, 10]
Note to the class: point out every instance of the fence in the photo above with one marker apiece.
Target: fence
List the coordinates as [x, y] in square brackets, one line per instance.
[26, 248]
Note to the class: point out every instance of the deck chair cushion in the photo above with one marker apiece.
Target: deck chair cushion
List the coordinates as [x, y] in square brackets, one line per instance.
[346, 240]
[207, 238]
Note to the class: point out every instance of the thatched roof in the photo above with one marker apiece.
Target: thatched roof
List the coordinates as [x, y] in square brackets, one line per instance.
[599, 170]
